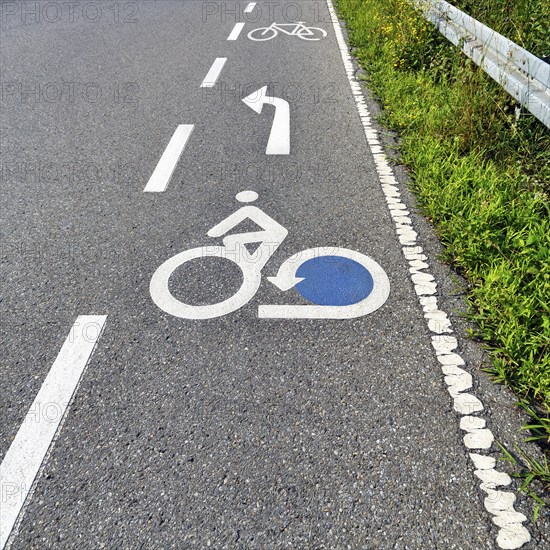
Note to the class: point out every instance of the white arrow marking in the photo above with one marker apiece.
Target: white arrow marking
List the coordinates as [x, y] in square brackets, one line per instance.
[287, 274]
[279, 138]
[284, 281]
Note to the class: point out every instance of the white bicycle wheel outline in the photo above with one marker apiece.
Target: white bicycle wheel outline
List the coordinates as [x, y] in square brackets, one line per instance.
[274, 34]
[163, 298]
[252, 278]
[310, 31]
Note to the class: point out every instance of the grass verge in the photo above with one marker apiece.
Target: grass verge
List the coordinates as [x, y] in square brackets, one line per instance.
[482, 175]
[525, 22]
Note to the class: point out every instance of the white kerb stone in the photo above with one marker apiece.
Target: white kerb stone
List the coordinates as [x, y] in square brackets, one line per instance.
[482, 462]
[472, 423]
[507, 518]
[499, 501]
[450, 359]
[466, 403]
[480, 439]
[511, 538]
[425, 289]
[458, 383]
[451, 369]
[494, 477]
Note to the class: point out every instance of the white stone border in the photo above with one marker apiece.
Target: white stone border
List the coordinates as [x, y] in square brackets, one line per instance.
[512, 534]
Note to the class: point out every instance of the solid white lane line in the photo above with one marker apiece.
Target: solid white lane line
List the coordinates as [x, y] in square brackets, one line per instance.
[37, 432]
[214, 72]
[250, 7]
[163, 172]
[236, 31]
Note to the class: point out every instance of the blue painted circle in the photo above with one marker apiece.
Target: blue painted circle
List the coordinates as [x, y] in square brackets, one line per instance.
[334, 281]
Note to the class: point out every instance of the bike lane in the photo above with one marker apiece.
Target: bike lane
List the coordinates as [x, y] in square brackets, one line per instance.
[242, 430]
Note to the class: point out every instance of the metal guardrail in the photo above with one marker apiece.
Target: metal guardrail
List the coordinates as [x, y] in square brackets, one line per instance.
[522, 74]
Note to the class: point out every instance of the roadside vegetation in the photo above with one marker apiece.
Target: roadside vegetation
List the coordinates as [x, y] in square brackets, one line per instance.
[481, 170]
[525, 22]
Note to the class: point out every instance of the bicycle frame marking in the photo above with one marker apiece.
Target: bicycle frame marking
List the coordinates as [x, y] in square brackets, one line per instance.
[296, 27]
[234, 249]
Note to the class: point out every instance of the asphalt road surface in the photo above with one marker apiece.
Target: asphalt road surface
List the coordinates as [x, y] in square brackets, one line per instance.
[241, 430]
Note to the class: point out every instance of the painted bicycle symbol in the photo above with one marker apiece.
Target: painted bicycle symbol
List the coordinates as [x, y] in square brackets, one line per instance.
[340, 283]
[296, 29]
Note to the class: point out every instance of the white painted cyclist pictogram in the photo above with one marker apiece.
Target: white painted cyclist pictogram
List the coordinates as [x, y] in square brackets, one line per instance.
[298, 29]
[340, 283]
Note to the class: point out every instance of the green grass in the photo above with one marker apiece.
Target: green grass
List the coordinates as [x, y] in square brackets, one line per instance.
[482, 175]
[525, 22]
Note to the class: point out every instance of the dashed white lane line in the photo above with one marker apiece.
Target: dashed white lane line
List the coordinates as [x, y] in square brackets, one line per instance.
[163, 172]
[250, 7]
[37, 432]
[236, 31]
[512, 534]
[214, 72]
